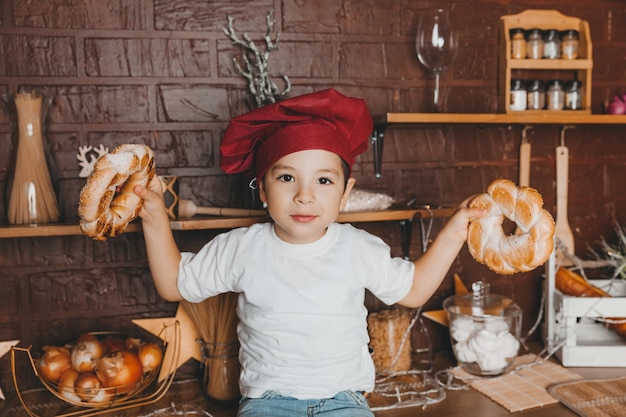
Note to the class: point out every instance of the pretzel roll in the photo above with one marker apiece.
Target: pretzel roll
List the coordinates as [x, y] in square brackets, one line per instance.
[508, 254]
[107, 201]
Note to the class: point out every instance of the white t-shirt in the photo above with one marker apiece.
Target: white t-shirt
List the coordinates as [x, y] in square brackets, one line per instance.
[303, 323]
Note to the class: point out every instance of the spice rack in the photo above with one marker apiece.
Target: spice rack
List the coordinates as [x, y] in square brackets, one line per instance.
[579, 68]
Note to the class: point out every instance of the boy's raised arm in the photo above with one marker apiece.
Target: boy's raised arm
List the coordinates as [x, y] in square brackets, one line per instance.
[432, 267]
[163, 253]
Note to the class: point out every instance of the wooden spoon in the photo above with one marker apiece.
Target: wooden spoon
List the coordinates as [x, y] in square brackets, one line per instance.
[563, 232]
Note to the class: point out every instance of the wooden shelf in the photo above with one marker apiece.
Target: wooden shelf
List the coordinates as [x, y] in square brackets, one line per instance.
[206, 223]
[527, 117]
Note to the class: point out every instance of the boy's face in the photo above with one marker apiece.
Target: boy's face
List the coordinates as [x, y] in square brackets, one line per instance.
[304, 192]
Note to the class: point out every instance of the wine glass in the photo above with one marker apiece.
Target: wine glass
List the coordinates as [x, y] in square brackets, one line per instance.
[437, 45]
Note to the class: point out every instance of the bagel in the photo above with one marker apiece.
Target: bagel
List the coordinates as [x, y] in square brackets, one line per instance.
[508, 254]
[107, 201]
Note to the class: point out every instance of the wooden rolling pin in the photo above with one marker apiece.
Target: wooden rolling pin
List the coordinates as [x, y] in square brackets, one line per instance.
[187, 208]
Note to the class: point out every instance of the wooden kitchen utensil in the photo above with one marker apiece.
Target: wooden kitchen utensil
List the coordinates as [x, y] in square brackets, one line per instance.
[524, 164]
[524, 159]
[187, 208]
[563, 232]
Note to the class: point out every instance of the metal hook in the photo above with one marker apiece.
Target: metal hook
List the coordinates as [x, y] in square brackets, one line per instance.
[524, 137]
[563, 129]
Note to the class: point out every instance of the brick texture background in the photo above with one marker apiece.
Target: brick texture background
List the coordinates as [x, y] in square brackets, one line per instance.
[160, 72]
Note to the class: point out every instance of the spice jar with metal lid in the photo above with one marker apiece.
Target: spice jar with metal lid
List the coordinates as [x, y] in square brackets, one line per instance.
[484, 330]
[517, 101]
[535, 95]
[534, 44]
[555, 96]
[569, 44]
[573, 95]
[518, 43]
[551, 44]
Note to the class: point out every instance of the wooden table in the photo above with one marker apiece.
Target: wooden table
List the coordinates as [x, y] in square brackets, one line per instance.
[463, 403]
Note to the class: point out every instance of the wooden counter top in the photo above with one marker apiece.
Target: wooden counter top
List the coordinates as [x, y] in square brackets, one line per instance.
[187, 390]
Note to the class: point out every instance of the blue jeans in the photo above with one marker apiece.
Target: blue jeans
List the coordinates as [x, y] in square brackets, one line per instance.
[271, 404]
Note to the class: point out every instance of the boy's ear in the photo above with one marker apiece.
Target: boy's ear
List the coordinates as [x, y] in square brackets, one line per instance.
[344, 199]
[262, 195]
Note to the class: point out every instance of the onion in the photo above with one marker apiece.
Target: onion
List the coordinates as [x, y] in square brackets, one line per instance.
[150, 355]
[66, 385]
[88, 348]
[616, 106]
[113, 343]
[89, 388]
[121, 370]
[54, 362]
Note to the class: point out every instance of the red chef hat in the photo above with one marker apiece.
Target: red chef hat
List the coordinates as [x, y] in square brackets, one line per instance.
[326, 120]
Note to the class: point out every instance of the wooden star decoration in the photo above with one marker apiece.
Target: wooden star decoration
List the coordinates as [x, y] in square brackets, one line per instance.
[440, 316]
[164, 328]
[4, 348]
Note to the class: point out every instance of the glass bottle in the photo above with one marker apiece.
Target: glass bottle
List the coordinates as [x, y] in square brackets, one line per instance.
[534, 44]
[535, 95]
[551, 44]
[518, 43]
[555, 98]
[569, 44]
[517, 100]
[573, 95]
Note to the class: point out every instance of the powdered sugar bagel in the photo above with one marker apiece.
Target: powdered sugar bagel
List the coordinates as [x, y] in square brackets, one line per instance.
[107, 201]
[508, 254]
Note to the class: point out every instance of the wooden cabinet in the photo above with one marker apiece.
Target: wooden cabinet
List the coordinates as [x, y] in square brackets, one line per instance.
[543, 69]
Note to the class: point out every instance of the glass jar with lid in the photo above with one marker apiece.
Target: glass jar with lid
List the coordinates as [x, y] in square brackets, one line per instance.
[484, 330]
[517, 100]
[518, 43]
[573, 95]
[569, 44]
[534, 44]
[555, 96]
[535, 95]
[551, 44]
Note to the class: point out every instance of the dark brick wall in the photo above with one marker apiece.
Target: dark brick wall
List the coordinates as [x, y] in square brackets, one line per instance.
[160, 72]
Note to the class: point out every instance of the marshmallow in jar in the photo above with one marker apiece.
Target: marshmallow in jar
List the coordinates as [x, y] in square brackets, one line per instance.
[484, 330]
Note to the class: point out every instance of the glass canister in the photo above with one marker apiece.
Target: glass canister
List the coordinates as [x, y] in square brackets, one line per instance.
[555, 96]
[535, 95]
[484, 330]
[551, 44]
[518, 43]
[573, 95]
[517, 101]
[389, 341]
[569, 44]
[534, 44]
[31, 194]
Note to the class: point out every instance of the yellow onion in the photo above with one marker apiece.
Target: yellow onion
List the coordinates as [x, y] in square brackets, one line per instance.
[121, 370]
[54, 362]
[150, 355]
[89, 388]
[66, 385]
[88, 348]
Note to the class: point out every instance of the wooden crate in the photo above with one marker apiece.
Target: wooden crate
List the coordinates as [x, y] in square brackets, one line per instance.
[570, 325]
[544, 19]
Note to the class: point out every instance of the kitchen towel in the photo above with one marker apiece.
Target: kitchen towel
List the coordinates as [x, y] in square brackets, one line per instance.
[523, 388]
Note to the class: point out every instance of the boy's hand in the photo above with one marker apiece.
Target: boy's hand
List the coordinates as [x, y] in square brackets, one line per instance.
[153, 206]
[459, 222]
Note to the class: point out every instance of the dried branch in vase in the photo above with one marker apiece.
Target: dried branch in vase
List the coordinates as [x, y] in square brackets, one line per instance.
[255, 63]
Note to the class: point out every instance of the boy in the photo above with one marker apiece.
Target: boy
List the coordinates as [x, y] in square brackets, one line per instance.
[301, 279]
